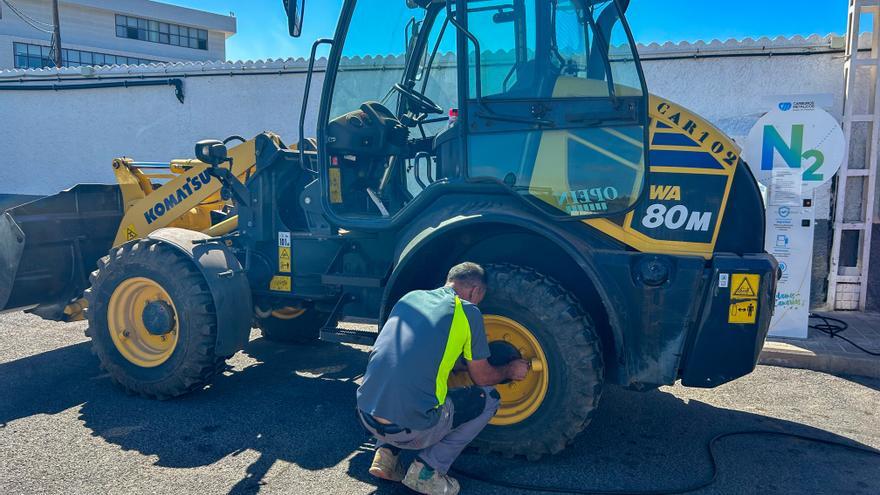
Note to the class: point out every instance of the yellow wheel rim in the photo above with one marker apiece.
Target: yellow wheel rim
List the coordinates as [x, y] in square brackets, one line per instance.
[126, 323]
[519, 400]
[288, 313]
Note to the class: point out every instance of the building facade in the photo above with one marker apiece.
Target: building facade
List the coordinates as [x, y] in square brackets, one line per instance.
[100, 32]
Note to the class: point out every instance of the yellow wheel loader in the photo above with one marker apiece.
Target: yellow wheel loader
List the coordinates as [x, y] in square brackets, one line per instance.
[623, 235]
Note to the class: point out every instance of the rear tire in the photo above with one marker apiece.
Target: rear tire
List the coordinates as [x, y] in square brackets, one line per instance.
[572, 349]
[186, 366]
[303, 329]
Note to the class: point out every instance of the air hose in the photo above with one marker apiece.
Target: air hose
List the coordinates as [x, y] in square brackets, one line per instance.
[833, 327]
[711, 447]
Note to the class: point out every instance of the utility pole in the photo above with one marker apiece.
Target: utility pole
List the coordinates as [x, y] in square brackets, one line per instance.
[57, 35]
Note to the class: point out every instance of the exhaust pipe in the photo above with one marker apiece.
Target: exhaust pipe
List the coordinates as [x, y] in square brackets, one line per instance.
[49, 247]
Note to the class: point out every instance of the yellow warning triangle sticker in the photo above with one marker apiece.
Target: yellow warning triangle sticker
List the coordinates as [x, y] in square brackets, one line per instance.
[130, 233]
[285, 254]
[745, 289]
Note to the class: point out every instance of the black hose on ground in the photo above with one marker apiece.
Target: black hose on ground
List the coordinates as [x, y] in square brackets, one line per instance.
[689, 489]
[833, 328]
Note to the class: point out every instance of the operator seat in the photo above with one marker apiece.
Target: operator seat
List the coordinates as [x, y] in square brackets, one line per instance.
[533, 83]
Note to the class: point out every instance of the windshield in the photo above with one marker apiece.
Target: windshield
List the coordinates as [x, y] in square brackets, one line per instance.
[374, 54]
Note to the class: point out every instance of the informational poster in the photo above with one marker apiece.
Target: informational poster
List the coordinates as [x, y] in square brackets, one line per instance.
[790, 232]
[793, 149]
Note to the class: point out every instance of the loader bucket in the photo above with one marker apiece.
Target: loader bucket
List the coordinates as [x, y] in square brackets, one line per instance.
[49, 247]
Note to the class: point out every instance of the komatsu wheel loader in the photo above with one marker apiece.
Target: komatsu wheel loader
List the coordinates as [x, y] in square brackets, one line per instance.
[623, 235]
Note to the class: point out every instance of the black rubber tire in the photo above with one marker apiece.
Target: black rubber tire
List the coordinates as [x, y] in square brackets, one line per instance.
[305, 329]
[574, 359]
[193, 363]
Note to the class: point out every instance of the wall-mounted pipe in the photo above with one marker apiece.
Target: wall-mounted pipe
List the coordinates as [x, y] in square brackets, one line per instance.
[177, 83]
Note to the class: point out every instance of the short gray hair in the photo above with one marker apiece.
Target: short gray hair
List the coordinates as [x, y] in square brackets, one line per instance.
[469, 274]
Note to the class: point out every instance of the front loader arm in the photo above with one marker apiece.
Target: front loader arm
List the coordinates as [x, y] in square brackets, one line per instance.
[185, 201]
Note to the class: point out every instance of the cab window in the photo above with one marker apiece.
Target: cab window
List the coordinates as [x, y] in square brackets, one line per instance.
[579, 150]
[587, 53]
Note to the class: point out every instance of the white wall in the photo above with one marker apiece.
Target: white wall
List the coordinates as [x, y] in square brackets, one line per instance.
[61, 139]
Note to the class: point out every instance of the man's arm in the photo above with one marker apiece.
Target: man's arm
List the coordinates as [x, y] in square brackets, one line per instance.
[481, 371]
[485, 375]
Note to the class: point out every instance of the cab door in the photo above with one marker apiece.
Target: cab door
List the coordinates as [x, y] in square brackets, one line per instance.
[556, 104]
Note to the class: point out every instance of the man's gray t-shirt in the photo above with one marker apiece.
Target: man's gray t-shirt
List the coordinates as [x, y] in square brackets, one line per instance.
[424, 336]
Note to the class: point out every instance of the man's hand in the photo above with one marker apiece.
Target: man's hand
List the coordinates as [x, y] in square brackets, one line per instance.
[517, 370]
[485, 375]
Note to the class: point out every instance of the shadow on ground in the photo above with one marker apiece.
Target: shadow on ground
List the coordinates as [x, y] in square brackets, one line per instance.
[872, 383]
[297, 405]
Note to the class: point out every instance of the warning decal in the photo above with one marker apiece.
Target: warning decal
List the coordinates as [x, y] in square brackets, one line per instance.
[743, 312]
[744, 290]
[335, 185]
[745, 286]
[130, 233]
[281, 284]
[284, 260]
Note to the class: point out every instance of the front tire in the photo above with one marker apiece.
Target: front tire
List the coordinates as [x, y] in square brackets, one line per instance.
[539, 317]
[152, 320]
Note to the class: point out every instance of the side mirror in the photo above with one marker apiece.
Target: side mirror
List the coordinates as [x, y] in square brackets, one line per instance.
[294, 10]
[212, 152]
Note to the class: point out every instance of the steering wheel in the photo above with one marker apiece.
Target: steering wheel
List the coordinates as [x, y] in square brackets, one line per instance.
[422, 103]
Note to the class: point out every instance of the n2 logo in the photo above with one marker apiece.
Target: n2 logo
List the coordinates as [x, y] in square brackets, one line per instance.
[675, 218]
[793, 155]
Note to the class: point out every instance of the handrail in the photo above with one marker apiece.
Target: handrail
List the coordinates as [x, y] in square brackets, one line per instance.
[305, 105]
[478, 80]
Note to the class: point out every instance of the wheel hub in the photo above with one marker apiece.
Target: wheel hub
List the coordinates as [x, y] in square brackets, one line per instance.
[158, 318]
[142, 321]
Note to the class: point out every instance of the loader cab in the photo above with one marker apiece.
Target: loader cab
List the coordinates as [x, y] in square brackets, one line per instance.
[545, 100]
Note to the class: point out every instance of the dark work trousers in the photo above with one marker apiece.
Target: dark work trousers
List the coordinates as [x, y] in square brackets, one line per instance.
[462, 417]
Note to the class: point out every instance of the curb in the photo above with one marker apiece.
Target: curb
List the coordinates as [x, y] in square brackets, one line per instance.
[791, 356]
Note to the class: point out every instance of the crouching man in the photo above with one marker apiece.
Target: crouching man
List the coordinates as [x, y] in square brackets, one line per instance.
[404, 401]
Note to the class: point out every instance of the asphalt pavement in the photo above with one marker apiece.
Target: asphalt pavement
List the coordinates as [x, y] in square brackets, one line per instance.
[281, 420]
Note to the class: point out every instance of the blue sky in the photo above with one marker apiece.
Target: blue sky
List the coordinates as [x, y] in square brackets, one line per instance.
[262, 28]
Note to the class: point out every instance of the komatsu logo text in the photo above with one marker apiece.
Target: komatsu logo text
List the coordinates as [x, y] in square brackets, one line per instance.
[193, 184]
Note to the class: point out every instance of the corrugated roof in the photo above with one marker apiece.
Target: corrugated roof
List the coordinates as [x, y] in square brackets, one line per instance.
[760, 46]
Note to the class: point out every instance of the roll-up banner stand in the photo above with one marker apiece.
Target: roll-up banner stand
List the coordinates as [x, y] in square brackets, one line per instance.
[794, 148]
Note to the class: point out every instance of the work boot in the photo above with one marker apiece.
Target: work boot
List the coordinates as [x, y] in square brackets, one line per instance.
[423, 479]
[386, 465]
